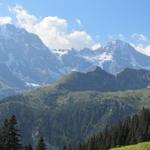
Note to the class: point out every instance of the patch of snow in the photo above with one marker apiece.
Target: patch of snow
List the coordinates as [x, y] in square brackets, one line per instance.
[32, 84]
[59, 52]
[103, 57]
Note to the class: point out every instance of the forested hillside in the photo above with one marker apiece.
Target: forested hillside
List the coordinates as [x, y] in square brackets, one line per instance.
[11, 139]
[135, 129]
[64, 117]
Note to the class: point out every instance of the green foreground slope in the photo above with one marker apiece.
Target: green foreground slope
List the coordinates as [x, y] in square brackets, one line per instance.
[140, 146]
[70, 117]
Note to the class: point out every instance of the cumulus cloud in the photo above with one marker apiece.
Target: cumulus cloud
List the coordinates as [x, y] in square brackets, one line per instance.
[55, 33]
[5, 20]
[53, 30]
[24, 19]
[139, 37]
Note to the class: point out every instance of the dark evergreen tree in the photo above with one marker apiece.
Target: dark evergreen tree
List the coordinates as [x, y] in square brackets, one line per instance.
[28, 147]
[10, 137]
[41, 144]
[64, 148]
[131, 131]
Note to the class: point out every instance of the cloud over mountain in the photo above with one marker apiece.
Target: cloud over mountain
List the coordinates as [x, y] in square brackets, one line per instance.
[53, 30]
[56, 32]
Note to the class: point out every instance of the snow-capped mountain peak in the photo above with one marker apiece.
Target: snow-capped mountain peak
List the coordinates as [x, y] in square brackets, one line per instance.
[25, 59]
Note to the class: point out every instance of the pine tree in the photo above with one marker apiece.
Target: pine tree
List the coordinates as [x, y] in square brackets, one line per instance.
[10, 137]
[69, 147]
[14, 136]
[28, 147]
[64, 148]
[41, 144]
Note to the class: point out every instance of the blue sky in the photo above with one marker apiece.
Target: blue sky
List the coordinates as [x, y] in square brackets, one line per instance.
[101, 19]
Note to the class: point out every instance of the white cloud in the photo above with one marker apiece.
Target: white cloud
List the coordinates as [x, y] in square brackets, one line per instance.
[80, 40]
[53, 31]
[24, 19]
[139, 37]
[78, 22]
[5, 20]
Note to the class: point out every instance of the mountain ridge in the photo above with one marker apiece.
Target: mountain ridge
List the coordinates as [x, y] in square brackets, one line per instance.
[27, 60]
[100, 80]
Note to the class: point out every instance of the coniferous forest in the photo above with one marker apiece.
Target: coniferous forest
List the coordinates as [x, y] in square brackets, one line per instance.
[133, 130]
[10, 137]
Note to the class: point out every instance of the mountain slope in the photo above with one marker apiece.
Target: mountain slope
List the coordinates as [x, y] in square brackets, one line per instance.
[100, 80]
[132, 130]
[123, 55]
[26, 56]
[113, 58]
[25, 62]
[70, 117]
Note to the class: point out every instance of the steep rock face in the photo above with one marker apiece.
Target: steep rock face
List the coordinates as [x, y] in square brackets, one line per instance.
[25, 62]
[123, 55]
[76, 62]
[26, 56]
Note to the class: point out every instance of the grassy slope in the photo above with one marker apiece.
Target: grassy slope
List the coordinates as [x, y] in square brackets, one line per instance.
[140, 146]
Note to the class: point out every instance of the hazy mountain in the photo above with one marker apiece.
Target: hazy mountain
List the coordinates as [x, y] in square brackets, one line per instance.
[26, 56]
[25, 62]
[113, 57]
[74, 61]
[116, 56]
[119, 55]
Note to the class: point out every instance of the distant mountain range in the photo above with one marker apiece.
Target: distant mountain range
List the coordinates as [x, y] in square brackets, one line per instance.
[26, 63]
[114, 57]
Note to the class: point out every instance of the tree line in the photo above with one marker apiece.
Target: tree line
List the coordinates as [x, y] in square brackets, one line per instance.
[133, 130]
[10, 138]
